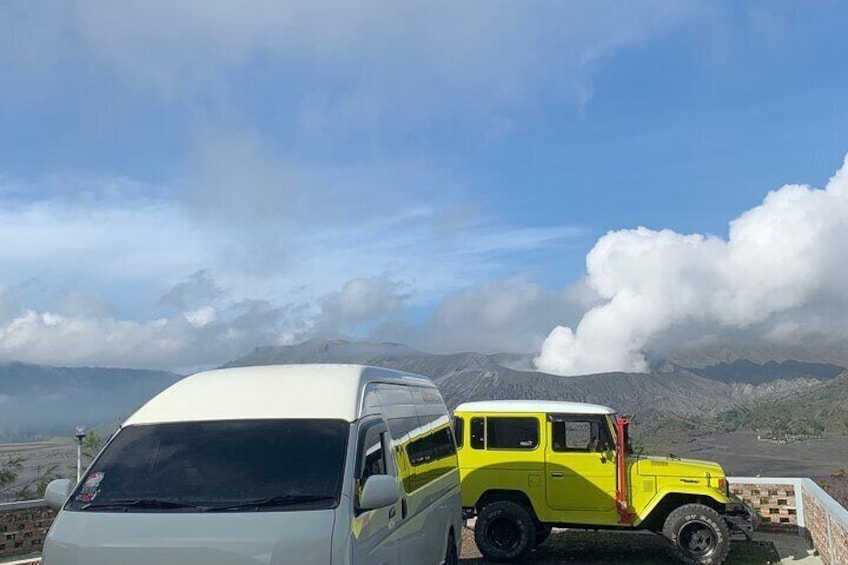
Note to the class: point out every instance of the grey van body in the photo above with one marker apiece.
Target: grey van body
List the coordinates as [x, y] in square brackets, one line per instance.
[268, 465]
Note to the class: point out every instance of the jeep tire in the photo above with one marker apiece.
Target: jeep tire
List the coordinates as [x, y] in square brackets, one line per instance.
[698, 535]
[505, 531]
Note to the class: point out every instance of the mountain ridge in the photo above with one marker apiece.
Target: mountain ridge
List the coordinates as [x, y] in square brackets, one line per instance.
[38, 400]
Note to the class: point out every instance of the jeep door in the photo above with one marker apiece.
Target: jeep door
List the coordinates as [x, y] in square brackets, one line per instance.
[580, 466]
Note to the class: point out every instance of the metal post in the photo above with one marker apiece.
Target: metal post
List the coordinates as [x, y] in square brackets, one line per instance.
[79, 433]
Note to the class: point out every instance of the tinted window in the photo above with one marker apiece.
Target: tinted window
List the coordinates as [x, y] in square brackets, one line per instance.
[219, 464]
[478, 433]
[432, 454]
[427, 396]
[459, 431]
[580, 433]
[431, 447]
[400, 427]
[512, 433]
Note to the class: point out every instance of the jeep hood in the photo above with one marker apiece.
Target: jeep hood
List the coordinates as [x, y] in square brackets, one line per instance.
[674, 467]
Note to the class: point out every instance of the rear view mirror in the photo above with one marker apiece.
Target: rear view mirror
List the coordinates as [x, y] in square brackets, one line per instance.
[379, 491]
[57, 493]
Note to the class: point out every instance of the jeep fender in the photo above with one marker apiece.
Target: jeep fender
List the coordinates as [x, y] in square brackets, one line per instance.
[685, 495]
[493, 495]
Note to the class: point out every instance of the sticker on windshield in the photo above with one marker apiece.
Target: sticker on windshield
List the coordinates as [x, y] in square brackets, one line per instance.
[90, 488]
[94, 480]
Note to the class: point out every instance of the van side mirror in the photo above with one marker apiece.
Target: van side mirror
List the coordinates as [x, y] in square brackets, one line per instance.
[379, 491]
[57, 493]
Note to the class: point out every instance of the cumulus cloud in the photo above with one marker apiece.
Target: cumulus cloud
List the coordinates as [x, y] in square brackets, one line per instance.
[362, 300]
[782, 264]
[200, 288]
[510, 315]
[199, 337]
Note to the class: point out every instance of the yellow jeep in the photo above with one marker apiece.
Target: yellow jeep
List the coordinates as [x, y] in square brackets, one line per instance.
[527, 466]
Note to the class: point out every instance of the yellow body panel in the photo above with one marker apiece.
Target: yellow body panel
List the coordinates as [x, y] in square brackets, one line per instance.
[578, 487]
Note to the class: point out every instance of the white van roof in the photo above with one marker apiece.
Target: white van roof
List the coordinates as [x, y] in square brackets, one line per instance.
[529, 406]
[269, 392]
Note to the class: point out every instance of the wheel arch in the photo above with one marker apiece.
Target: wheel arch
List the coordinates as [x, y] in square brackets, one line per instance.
[452, 534]
[656, 513]
[494, 495]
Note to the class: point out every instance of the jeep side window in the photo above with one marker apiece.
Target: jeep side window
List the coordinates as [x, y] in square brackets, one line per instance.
[512, 433]
[458, 431]
[478, 433]
[576, 433]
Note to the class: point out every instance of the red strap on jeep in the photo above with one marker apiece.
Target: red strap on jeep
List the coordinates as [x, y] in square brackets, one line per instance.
[621, 506]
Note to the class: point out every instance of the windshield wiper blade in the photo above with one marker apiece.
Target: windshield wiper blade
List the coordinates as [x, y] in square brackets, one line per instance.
[153, 503]
[285, 500]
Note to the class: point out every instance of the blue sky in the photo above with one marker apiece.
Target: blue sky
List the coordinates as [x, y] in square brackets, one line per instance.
[430, 173]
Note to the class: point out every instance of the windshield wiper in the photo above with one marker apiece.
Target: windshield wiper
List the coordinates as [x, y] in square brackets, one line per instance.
[152, 503]
[285, 500]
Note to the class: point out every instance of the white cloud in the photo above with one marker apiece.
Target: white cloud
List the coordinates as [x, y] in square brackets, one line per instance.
[507, 315]
[783, 261]
[201, 317]
[206, 336]
[105, 284]
[355, 64]
[131, 240]
[362, 300]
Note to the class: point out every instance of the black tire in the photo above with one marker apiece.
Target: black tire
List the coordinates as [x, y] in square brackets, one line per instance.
[698, 535]
[451, 556]
[543, 532]
[505, 531]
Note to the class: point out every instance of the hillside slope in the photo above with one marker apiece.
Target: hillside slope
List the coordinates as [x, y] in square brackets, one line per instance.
[37, 400]
[819, 411]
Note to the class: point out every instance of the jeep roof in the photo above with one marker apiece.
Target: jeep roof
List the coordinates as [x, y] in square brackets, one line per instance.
[547, 406]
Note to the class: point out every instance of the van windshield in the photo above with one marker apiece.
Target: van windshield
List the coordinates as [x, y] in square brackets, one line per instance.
[251, 465]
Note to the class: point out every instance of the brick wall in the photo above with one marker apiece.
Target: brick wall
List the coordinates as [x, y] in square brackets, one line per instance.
[775, 503]
[23, 527]
[826, 524]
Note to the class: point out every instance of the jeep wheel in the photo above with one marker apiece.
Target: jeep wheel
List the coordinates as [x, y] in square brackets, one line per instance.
[698, 535]
[505, 531]
[543, 532]
[451, 557]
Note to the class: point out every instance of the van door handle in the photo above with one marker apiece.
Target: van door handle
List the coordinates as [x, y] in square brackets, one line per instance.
[392, 512]
[403, 509]
[557, 474]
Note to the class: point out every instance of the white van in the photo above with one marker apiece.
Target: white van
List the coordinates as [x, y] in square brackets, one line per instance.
[286, 464]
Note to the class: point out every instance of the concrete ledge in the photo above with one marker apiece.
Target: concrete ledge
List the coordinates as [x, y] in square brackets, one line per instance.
[21, 505]
[820, 518]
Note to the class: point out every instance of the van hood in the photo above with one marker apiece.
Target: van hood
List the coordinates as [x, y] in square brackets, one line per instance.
[141, 538]
[675, 467]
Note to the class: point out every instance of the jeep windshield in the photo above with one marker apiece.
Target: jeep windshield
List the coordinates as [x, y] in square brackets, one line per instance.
[223, 466]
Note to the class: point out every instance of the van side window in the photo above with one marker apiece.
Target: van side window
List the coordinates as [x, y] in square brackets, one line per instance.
[478, 433]
[512, 433]
[580, 433]
[458, 431]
